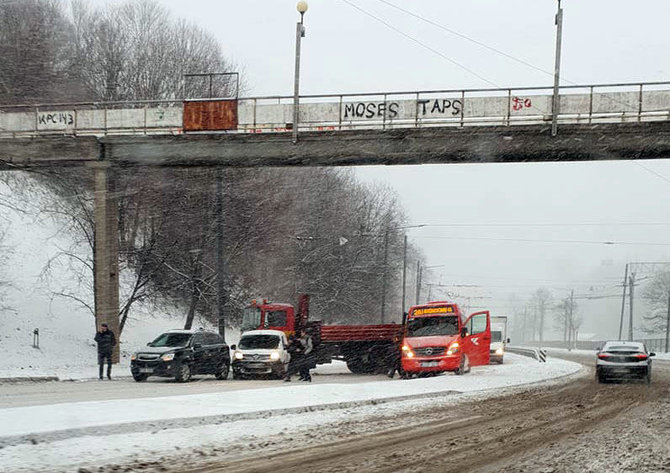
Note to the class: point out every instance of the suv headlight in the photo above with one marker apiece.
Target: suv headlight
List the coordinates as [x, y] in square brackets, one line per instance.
[274, 355]
[168, 357]
[239, 355]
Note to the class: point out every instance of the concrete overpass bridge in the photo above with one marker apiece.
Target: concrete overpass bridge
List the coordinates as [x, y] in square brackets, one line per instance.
[595, 122]
[611, 121]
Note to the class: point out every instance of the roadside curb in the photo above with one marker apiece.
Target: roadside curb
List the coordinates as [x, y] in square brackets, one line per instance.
[52, 379]
[29, 379]
[186, 422]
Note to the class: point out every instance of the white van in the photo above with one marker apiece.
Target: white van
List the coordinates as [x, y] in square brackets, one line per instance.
[260, 352]
[499, 338]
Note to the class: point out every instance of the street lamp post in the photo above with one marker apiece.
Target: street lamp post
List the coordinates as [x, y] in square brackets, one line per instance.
[556, 102]
[299, 34]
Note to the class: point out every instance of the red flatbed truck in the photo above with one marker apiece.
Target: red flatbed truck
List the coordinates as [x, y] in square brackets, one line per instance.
[365, 348]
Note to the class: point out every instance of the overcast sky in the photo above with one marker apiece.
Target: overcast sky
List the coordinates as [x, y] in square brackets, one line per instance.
[605, 41]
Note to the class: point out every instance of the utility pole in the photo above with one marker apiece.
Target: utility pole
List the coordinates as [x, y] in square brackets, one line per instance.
[386, 254]
[404, 275]
[623, 301]
[525, 323]
[221, 294]
[571, 330]
[418, 282]
[630, 320]
[556, 102]
[667, 326]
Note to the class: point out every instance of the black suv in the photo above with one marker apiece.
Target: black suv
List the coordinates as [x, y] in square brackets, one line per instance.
[182, 354]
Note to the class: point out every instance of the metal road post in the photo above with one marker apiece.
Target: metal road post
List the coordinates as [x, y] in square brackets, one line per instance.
[557, 71]
[667, 327]
[299, 34]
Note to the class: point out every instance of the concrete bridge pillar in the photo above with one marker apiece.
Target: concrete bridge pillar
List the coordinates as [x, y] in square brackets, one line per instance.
[106, 251]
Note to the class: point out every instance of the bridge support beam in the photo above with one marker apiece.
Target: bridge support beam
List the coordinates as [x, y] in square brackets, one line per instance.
[106, 251]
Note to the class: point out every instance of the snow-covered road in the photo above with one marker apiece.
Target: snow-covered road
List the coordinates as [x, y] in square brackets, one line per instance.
[69, 432]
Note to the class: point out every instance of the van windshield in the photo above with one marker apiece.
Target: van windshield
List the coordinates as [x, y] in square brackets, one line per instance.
[430, 326]
[255, 342]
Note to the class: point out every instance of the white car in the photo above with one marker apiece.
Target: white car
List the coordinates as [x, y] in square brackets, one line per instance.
[260, 352]
[621, 360]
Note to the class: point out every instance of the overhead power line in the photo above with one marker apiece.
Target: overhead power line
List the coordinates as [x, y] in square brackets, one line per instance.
[467, 38]
[657, 174]
[528, 240]
[489, 47]
[421, 43]
[548, 224]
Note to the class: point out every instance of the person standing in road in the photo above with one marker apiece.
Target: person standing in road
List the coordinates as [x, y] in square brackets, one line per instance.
[295, 350]
[308, 356]
[106, 341]
[394, 357]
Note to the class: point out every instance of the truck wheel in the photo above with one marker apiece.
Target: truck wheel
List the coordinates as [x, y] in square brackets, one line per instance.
[183, 373]
[358, 366]
[140, 377]
[222, 372]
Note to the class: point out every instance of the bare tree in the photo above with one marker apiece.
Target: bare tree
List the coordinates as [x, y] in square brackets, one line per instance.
[565, 317]
[540, 300]
[35, 40]
[137, 51]
[657, 295]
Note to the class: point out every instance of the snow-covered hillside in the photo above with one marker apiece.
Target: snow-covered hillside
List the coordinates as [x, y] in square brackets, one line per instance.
[66, 328]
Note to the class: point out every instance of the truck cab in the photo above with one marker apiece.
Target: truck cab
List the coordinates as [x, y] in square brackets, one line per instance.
[438, 338]
[269, 316]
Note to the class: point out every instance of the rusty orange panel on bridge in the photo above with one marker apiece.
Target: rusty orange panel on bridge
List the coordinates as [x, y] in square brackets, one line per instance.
[210, 115]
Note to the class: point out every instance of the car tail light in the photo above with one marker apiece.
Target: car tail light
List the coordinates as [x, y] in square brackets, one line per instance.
[641, 356]
[603, 356]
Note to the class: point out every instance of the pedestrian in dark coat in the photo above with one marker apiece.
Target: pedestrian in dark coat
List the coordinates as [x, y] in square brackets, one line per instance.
[295, 350]
[307, 354]
[106, 341]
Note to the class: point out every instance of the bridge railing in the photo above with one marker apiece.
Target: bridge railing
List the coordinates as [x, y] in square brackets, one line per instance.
[579, 104]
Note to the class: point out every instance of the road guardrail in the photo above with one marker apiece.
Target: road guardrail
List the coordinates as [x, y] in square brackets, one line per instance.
[537, 353]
